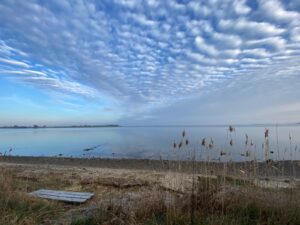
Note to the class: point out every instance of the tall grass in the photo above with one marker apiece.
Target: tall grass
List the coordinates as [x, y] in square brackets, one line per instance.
[247, 174]
[17, 208]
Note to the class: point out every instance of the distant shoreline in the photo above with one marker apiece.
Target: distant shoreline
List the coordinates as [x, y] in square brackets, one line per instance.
[151, 126]
[43, 127]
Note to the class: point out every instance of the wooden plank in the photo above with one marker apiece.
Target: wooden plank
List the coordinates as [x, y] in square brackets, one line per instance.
[66, 196]
[62, 195]
[83, 194]
[64, 199]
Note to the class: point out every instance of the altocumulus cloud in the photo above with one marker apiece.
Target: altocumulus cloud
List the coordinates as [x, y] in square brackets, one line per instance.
[147, 53]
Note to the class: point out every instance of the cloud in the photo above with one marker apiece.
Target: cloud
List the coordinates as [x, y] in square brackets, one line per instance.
[199, 8]
[142, 20]
[14, 62]
[241, 7]
[274, 43]
[274, 10]
[144, 54]
[249, 28]
[227, 40]
[204, 47]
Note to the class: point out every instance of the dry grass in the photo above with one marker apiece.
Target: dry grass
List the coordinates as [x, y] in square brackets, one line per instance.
[144, 197]
[17, 208]
[215, 204]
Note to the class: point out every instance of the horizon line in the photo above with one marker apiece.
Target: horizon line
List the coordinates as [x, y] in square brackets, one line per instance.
[162, 125]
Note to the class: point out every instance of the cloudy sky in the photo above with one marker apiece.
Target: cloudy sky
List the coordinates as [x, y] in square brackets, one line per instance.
[149, 62]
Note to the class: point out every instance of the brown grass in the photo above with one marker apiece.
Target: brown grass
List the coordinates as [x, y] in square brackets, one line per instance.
[16, 207]
[145, 197]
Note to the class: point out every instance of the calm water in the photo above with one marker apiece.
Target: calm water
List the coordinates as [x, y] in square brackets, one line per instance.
[150, 142]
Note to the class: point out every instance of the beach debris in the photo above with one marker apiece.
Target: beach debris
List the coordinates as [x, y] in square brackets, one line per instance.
[274, 167]
[242, 171]
[65, 196]
[92, 148]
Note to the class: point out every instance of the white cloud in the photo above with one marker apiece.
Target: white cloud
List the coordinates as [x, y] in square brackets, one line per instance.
[143, 53]
[227, 40]
[142, 20]
[14, 62]
[34, 72]
[204, 47]
[256, 53]
[276, 43]
[295, 34]
[128, 3]
[198, 8]
[200, 58]
[241, 7]
[274, 10]
[249, 28]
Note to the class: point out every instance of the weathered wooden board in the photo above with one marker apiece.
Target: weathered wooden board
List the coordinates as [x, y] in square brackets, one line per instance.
[65, 196]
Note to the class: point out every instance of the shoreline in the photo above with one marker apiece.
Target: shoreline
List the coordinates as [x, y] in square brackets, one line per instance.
[279, 169]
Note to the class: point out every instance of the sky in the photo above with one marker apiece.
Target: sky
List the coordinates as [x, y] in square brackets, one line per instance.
[149, 62]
